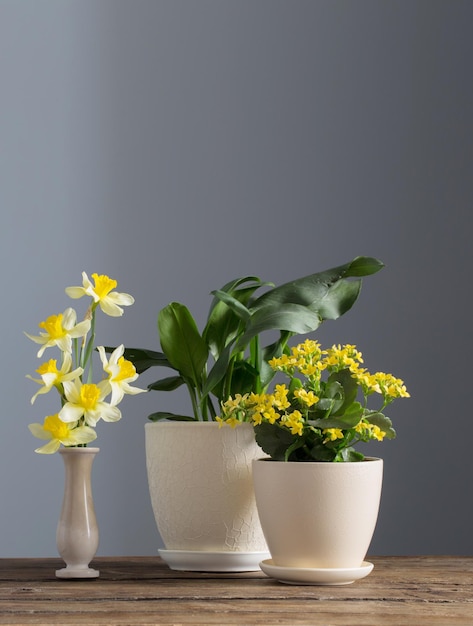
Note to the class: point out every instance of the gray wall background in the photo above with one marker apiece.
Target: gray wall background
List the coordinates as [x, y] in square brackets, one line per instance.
[175, 145]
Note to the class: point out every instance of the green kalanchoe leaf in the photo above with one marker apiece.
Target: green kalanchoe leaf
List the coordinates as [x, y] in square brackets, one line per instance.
[274, 440]
[383, 422]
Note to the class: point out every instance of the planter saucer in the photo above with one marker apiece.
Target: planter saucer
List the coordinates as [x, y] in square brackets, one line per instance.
[315, 576]
[200, 561]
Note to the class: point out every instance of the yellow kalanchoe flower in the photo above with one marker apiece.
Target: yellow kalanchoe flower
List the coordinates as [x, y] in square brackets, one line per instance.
[52, 377]
[57, 432]
[306, 397]
[87, 400]
[102, 293]
[59, 331]
[294, 421]
[121, 373]
[332, 434]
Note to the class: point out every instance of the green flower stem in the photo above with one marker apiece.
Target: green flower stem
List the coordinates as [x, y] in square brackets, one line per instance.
[227, 384]
[255, 355]
[195, 404]
[87, 352]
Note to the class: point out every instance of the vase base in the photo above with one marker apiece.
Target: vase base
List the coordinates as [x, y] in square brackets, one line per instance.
[316, 576]
[200, 561]
[77, 572]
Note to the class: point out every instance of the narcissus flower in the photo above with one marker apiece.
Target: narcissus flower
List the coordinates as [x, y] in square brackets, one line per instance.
[59, 331]
[87, 401]
[83, 402]
[52, 377]
[57, 432]
[121, 373]
[101, 291]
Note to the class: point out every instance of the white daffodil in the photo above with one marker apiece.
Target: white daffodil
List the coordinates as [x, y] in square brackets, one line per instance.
[52, 377]
[87, 400]
[102, 294]
[57, 432]
[59, 331]
[121, 373]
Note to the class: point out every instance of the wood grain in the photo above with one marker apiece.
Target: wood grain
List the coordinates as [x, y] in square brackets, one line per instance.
[401, 591]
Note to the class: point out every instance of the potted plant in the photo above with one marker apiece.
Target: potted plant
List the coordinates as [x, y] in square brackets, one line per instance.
[199, 475]
[318, 497]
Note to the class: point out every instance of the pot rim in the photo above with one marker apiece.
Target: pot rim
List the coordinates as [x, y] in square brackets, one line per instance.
[194, 423]
[75, 449]
[325, 463]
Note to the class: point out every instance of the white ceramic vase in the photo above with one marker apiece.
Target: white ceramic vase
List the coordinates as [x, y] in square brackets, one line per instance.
[318, 516]
[77, 535]
[200, 483]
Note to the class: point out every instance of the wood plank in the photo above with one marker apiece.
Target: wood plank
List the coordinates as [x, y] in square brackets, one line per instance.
[143, 590]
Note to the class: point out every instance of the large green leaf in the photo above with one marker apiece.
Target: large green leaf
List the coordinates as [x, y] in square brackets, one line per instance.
[311, 290]
[143, 359]
[217, 373]
[293, 318]
[274, 350]
[181, 342]
[223, 323]
[167, 384]
[234, 304]
[337, 300]
[163, 415]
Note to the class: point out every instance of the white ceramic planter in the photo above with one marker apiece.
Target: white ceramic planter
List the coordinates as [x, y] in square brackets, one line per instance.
[200, 483]
[318, 515]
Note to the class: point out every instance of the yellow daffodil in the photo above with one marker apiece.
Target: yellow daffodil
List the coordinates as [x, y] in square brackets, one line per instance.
[59, 331]
[52, 377]
[57, 432]
[121, 373]
[101, 291]
[87, 401]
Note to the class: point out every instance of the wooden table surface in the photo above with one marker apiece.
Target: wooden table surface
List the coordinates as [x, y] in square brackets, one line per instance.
[400, 591]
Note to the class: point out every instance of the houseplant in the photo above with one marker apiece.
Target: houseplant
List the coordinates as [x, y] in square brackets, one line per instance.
[83, 404]
[318, 497]
[229, 356]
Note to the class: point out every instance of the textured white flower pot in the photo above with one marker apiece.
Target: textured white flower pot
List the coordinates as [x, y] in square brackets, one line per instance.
[200, 483]
[318, 515]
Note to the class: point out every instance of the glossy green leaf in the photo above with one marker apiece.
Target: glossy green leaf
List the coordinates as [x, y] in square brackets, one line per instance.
[181, 342]
[311, 290]
[167, 384]
[223, 324]
[274, 440]
[383, 422]
[289, 317]
[162, 415]
[143, 359]
[234, 304]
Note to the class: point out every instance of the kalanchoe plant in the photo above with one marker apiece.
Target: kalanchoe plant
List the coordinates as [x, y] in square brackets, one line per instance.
[83, 403]
[229, 357]
[323, 411]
